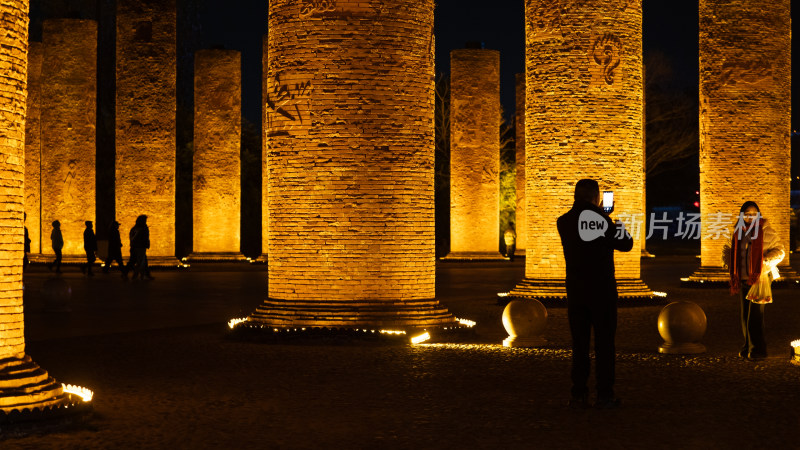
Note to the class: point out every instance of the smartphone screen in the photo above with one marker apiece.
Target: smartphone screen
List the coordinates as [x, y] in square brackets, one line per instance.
[608, 200]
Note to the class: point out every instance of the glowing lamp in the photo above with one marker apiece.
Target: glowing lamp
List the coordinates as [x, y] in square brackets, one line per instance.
[682, 325]
[525, 322]
[796, 352]
[233, 322]
[420, 338]
[467, 323]
[659, 294]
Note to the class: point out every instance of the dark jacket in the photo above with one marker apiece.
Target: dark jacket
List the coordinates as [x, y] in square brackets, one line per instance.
[114, 239]
[57, 239]
[590, 263]
[140, 236]
[89, 240]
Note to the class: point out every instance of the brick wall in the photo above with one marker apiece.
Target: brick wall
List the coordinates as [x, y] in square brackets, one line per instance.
[519, 127]
[264, 146]
[474, 151]
[745, 113]
[69, 133]
[583, 118]
[145, 122]
[33, 146]
[351, 138]
[216, 181]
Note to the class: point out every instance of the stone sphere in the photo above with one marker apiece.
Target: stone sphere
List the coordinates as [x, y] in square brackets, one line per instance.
[57, 293]
[682, 322]
[525, 318]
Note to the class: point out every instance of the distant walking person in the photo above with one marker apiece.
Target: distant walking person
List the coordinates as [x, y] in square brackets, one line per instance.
[115, 250]
[27, 245]
[140, 242]
[90, 247]
[752, 258]
[58, 243]
[510, 238]
[589, 238]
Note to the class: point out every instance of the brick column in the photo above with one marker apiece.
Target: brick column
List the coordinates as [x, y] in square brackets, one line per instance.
[145, 122]
[745, 121]
[519, 127]
[351, 150]
[33, 147]
[25, 384]
[583, 119]
[474, 154]
[216, 169]
[69, 132]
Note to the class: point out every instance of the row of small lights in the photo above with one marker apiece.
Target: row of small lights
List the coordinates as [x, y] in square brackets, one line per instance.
[82, 392]
[418, 339]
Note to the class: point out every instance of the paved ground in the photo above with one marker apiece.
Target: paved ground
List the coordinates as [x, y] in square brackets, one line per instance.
[164, 376]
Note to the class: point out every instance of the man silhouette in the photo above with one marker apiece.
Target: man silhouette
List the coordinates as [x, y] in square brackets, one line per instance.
[90, 247]
[57, 241]
[115, 249]
[589, 238]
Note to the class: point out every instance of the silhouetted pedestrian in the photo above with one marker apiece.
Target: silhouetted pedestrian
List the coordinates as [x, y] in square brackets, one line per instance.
[752, 258]
[27, 244]
[115, 249]
[510, 238]
[57, 241]
[139, 243]
[589, 238]
[90, 247]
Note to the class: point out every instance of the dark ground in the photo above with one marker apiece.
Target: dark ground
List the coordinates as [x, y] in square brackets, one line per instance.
[165, 377]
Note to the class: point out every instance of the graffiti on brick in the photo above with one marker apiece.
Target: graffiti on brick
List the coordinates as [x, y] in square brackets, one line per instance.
[69, 182]
[545, 18]
[604, 56]
[288, 104]
[308, 7]
[752, 71]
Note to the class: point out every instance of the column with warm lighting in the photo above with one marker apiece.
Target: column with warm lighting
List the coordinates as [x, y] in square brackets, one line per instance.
[145, 121]
[216, 172]
[583, 119]
[350, 137]
[745, 122]
[264, 169]
[33, 146]
[519, 128]
[24, 383]
[474, 154]
[69, 133]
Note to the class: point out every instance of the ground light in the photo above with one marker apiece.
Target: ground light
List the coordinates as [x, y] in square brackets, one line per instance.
[796, 352]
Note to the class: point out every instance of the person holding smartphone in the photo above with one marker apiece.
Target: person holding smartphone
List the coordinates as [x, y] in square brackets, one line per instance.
[589, 237]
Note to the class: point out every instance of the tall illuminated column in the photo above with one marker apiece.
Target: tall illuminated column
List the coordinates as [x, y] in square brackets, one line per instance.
[583, 119]
[69, 132]
[519, 127]
[33, 147]
[216, 171]
[351, 149]
[745, 121]
[474, 154]
[145, 121]
[24, 383]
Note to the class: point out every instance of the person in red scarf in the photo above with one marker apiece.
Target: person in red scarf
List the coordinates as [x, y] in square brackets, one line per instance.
[755, 249]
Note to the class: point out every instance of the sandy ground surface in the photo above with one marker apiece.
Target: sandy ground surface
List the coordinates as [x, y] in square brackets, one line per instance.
[165, 376]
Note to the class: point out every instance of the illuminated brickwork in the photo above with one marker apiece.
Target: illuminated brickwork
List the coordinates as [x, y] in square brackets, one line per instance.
[33, 146]
[264, 158]
[745, 112]
[519, 126]
[68, 121]
[145, 122]
[351, 151]
[583, 120]
[24, 384]
[474, 154]
[216, 182]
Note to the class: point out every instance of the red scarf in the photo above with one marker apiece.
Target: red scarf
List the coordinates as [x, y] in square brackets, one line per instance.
[756, 258]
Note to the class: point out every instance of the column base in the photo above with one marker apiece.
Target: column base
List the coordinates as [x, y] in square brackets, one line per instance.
[553, 288]
[76, 260]
[474, 256]
[646, 254]
[25, 386]
[717, 276]
[215, 257]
